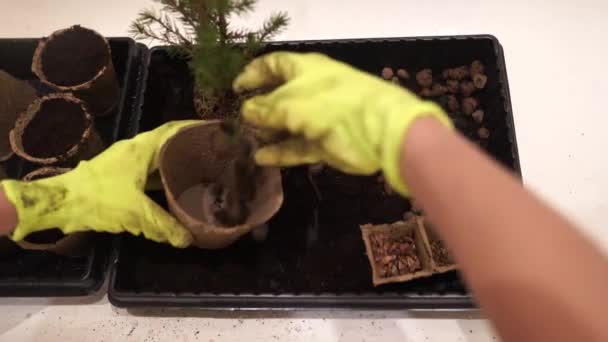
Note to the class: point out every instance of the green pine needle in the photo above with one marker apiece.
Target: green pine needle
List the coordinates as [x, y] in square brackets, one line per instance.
[201, 30]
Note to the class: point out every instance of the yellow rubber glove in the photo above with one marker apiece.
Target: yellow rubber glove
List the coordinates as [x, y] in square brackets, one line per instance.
[105, 194]
[351, 120]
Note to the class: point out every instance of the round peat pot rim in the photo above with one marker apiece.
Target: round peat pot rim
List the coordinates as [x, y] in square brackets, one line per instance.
[198, 227]
[16, 134]
[220, 230]
[44, 42]
[45, 172]
[68, 245]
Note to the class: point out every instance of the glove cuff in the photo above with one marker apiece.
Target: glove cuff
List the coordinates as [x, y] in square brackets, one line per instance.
[400, 121]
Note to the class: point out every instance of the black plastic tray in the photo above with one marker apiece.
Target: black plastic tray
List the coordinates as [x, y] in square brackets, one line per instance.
[298, 267]
[36, 273]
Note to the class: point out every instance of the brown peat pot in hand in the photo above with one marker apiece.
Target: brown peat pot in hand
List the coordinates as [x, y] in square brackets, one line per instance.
[56, 128]
[53, 240]
[194, 166]
[78, 60]
[15, 96]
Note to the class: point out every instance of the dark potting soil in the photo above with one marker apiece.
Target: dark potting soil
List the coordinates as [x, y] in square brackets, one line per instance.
[57, 127]
[312, 245]
[45, 236]
[74, 57]
[18, 264]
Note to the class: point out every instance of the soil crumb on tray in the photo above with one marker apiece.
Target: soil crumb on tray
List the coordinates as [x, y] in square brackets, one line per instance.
[74, 57]
[395, 256]
[57, 127]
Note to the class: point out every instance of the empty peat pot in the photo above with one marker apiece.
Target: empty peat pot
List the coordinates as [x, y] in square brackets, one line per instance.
[53, 240]
[79, 61]
[15, 96]
[56, 128]
[197, 158]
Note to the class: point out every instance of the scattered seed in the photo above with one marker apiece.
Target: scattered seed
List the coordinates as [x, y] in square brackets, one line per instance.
[387, 73]
[469, 104]
[425, 78]
[478, 115]
[483, 133]
[395, 80]
[402, 73]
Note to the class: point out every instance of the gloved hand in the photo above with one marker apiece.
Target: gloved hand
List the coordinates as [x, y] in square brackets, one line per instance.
[334, 113]
[105, 194]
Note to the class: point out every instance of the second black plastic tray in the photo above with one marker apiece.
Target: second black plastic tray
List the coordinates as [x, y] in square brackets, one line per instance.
[36, 273]
[314, 256]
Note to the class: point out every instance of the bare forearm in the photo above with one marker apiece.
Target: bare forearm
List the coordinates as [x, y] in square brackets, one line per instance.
[533, 273]
[8, 215]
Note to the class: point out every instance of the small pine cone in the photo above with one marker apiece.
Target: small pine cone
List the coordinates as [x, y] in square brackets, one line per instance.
[478, 115]
[438, 89]
[469, 104]
[467, 88]
[453, 105]
[425, 78]
[403, 74]
[387, 73]
[459, 73]
[480, 80]
[477, 67]
[446, 73]
[483, 133]
[453, 86]
[426, 92]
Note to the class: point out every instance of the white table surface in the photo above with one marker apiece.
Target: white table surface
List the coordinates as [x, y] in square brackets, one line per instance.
[556, 53]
